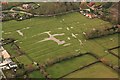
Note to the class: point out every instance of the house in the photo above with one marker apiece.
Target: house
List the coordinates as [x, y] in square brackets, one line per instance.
[12, 65]
[89, 15]
[83, 5]
[26, 6]
[4, 67]
[5, 54]
[91, 4]
[4, 3]
[13, 15]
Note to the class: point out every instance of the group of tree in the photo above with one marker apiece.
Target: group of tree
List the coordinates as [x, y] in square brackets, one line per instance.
[6, 17]
[24, 70]
[62, 58]
[15, 16]
[10, 5]
[43, 71]
[110, 12]
[54, 8]
[103, 31]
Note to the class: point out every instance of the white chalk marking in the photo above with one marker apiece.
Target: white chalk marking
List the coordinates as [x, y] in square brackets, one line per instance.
[68, 38]
[52, 37]
[68, 28]
[20, 33]
[76, 34]
[73, 35]
[59, 28]
[67, 44]
[80, 41]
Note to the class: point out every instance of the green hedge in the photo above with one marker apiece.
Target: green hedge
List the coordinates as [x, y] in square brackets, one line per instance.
[96, 33]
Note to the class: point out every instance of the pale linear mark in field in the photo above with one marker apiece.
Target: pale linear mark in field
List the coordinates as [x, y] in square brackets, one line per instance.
[60, 28]
[60, 21]
[2, 31]
[81, 43]
[78, 22]
[71, 27]
[52, 37]
[76, 34]
[16, 40]
[38, 34]
[67, 44]
[21, 42]
[6, 33]
[84, 24]
[35, 36]
[68, 28]
[77, 50]
[73, 35]
[68, 38]
[20, 33]
[25, 28]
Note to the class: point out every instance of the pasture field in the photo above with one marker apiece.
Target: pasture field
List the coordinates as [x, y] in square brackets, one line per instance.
[94, 71]
[35, 74]
[47, 38]
[115, 51]
[66, 67]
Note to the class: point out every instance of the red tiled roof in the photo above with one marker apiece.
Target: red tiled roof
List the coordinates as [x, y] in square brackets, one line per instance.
[91, 4]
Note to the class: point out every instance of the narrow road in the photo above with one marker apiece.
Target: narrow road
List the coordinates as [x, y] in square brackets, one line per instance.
[2, 74]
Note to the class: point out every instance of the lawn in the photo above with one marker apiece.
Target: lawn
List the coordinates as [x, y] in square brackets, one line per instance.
[35, 74]
[24, 59]
[116, 51]
[94, 71]
[112, 59]
[63, 68]
[73, 23]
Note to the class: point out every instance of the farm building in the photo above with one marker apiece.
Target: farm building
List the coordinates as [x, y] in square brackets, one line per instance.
[5, 61]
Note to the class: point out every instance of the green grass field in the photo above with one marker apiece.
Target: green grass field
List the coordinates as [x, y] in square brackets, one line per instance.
[33, 32]
[35, 74]
[116, 51]
[65, 67]
[94, 71]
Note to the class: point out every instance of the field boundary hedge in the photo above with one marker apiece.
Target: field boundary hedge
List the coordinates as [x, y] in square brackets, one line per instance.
[104, 31]
[81, 68]
[57, 14]
[42, 67]
[110, 51]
